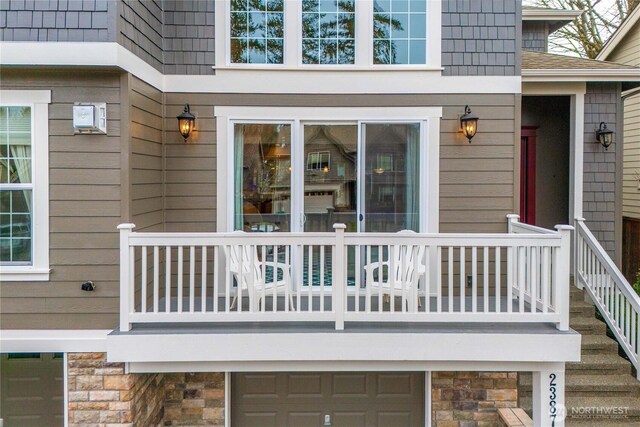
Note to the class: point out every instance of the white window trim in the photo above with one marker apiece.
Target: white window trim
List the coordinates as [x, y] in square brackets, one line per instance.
[39, 101]
[363, 38]
[429, 117]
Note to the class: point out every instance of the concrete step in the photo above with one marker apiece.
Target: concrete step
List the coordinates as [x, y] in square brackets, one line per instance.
[598, 344]
[581, 309]
[592, 385]
[599, 364]
[588, 325]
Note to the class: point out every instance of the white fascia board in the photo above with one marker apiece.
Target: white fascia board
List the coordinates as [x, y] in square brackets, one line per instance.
[388, 80]
[344, 347]
[619, 34]
[550, 15]
[613, 75]
[340, 82]
[53, 341]
[326, 113]
[341, 366]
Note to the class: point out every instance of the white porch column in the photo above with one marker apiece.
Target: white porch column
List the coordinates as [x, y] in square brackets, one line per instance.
[548, 397]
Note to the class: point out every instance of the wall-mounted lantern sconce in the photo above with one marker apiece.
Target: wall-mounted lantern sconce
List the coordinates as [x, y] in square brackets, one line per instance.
[469, 124]
[186, 121]
[604, 135]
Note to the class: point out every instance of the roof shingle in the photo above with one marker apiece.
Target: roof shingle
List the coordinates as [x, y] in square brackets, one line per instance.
[549, 61]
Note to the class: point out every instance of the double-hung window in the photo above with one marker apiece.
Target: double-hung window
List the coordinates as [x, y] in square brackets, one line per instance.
[24, 221]
[340, 33]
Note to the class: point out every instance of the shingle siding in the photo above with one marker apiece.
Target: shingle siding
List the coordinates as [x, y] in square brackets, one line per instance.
[58, 20]
[534, 36]
[480, 37]
[140, 29]
[189, 37]
[600, 187]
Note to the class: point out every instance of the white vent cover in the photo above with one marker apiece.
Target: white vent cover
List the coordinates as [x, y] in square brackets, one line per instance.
[90, 117]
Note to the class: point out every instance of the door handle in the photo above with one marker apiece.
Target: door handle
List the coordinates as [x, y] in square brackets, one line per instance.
[360, 217]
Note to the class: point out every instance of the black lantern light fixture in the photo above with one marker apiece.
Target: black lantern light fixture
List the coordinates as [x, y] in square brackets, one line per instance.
[604, 135]
[186, 121]
[469, 124]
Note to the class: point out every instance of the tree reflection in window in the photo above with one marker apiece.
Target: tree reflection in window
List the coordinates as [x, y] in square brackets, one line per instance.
[328, 31]
[257, 31]
[399, 31]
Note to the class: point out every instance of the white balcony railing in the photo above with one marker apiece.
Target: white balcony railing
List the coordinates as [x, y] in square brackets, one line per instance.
[611, 293]
[341, 276]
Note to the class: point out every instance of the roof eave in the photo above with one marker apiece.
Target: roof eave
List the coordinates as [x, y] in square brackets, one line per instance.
[619, 34]
[554, 15]
[611, 75]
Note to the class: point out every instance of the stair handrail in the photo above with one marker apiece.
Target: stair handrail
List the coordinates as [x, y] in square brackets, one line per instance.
[605, 284]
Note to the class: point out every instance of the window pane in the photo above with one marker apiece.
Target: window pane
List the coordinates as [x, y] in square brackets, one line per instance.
[15, 145]
[392, 197]
[330, 176]
[262, 177]
[15, 226]
[328, 31]
[399, 32]
[257, 31]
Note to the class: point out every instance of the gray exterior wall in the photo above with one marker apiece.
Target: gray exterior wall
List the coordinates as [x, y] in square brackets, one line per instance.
[140, 29]
[188, 36]
[143, 172]
[58, 21]
[146, 187]
[84, 206]
[174, 36]
[481, 37]
[602, 178]
[534, 36]
[477, 184]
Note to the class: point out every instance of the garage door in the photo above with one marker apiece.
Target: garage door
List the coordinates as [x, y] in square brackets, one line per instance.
[32, 390]
[306, 399]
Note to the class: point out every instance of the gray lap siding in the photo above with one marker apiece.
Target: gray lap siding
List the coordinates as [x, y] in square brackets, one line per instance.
[143, 172]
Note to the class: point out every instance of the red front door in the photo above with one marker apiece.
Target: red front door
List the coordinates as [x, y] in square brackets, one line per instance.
[528, 175]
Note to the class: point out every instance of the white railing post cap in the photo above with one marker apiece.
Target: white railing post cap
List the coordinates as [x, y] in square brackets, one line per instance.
[580, 219]
[339, 226]
[126, 226]
[513, 216]
[561, 227]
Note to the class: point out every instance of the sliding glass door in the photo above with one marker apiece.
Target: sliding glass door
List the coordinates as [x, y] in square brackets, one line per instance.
[390, 177]
[262, 177]
[308, 176]
[330, 168]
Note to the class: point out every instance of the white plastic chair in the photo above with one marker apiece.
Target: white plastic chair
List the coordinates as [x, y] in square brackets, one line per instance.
[250, 275]
[408, 267]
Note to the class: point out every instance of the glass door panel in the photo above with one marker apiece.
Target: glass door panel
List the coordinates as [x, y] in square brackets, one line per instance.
[330, 175]
[390, 191]
[262, 181]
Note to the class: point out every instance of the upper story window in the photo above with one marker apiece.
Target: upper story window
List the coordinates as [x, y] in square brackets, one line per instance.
[24, 180]
[257, 31]
[399, 31]
[328, 33]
